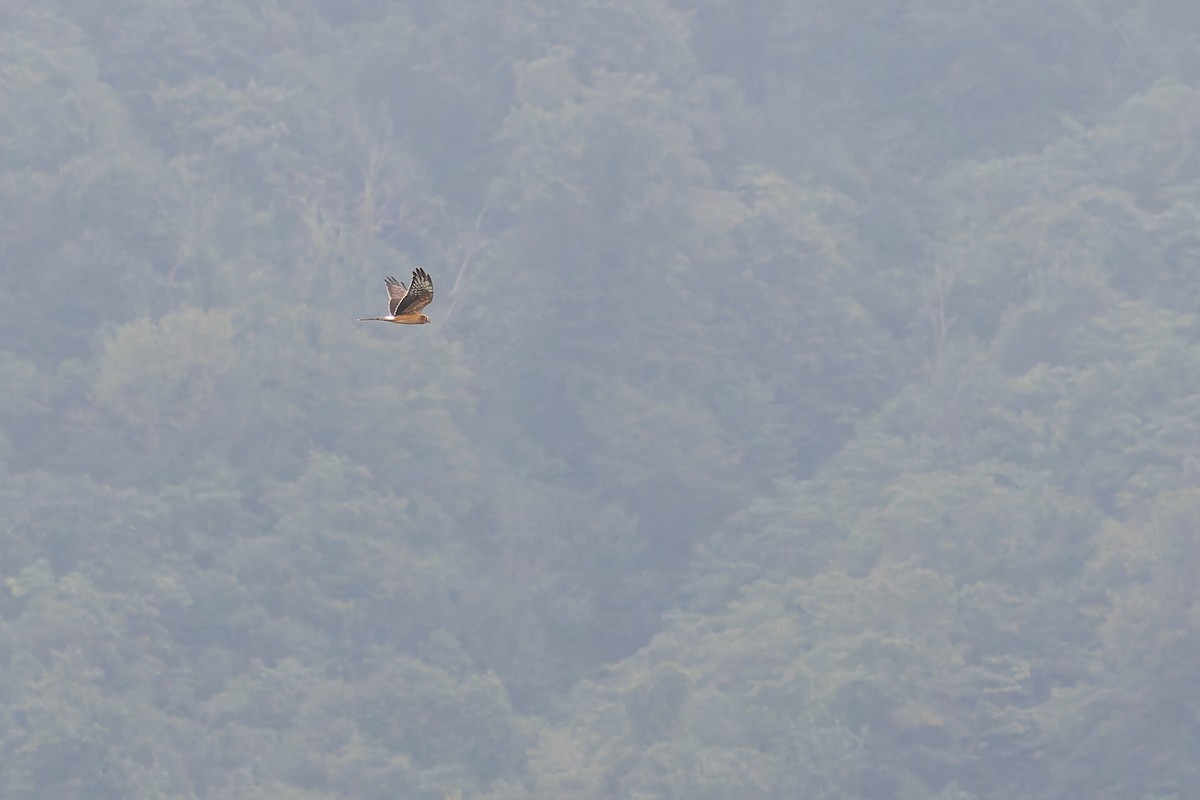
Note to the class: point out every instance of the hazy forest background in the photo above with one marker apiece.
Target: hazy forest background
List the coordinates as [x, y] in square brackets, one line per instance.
[811, 407]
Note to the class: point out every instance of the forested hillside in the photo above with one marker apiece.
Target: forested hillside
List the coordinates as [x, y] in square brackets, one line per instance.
[811, 407]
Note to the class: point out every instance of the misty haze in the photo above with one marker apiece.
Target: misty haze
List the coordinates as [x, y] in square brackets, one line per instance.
[809, 405]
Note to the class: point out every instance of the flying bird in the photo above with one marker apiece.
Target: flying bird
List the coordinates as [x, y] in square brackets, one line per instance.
[405, 305]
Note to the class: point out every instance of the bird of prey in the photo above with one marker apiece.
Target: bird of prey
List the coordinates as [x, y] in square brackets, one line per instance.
[405, 305]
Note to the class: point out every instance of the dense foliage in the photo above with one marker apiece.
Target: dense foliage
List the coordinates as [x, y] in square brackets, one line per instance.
[811, 409]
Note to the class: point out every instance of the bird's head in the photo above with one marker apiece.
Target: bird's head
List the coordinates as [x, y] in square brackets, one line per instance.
[425, 320]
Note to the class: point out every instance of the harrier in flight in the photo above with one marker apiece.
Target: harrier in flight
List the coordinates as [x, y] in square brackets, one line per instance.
[405, 305]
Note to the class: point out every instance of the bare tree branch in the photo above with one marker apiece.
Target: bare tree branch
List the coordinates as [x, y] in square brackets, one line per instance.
[475, 246]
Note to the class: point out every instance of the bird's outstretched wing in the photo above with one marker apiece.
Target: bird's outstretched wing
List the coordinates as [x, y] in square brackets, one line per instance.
[396, 292]
[419, 294]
